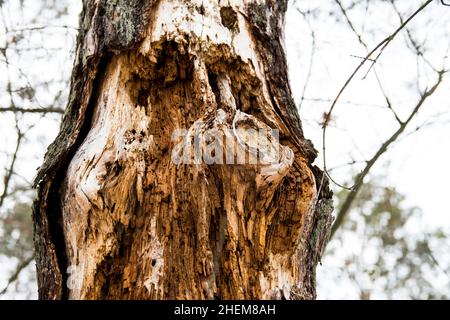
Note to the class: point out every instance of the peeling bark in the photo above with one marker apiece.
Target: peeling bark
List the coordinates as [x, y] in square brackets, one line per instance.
[127, 221]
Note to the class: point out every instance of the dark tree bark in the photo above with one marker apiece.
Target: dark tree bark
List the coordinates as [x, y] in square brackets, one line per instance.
[116, 218]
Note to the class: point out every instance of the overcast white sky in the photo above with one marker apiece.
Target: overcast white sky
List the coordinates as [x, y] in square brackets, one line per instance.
[418, 163]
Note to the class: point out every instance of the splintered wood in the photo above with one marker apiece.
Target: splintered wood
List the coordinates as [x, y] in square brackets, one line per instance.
[139, 224]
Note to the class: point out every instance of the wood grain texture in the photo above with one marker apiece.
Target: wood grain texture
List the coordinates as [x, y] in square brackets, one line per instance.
[129, 222]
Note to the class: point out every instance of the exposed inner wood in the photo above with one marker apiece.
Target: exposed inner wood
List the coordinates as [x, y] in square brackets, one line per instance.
[138, 224]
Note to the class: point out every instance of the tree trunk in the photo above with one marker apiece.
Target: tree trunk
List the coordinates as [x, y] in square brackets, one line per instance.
[119, 216]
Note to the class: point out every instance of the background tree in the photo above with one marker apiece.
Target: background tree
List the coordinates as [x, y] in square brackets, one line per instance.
[397, 101]
[35, 52]
[383, 250]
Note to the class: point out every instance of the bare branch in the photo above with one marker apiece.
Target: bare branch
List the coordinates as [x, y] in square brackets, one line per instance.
[32, 110]
[20, 267]
[384, 147]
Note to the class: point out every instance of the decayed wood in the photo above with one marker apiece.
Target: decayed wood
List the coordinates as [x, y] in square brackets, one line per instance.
[126, 221]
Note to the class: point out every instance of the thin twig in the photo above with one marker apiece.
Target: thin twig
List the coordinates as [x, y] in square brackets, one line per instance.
[311, 59]
[39, 28]
[10, 170]
[364, 44]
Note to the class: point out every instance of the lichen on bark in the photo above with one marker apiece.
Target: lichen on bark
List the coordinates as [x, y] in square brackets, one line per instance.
[113, 204]
[124, 21]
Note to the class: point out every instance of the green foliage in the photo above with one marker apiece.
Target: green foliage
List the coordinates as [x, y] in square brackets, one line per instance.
[385, 252]
[16, 238]
[16, 249]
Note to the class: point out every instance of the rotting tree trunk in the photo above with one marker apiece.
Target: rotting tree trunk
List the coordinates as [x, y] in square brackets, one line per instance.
[116, 218]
